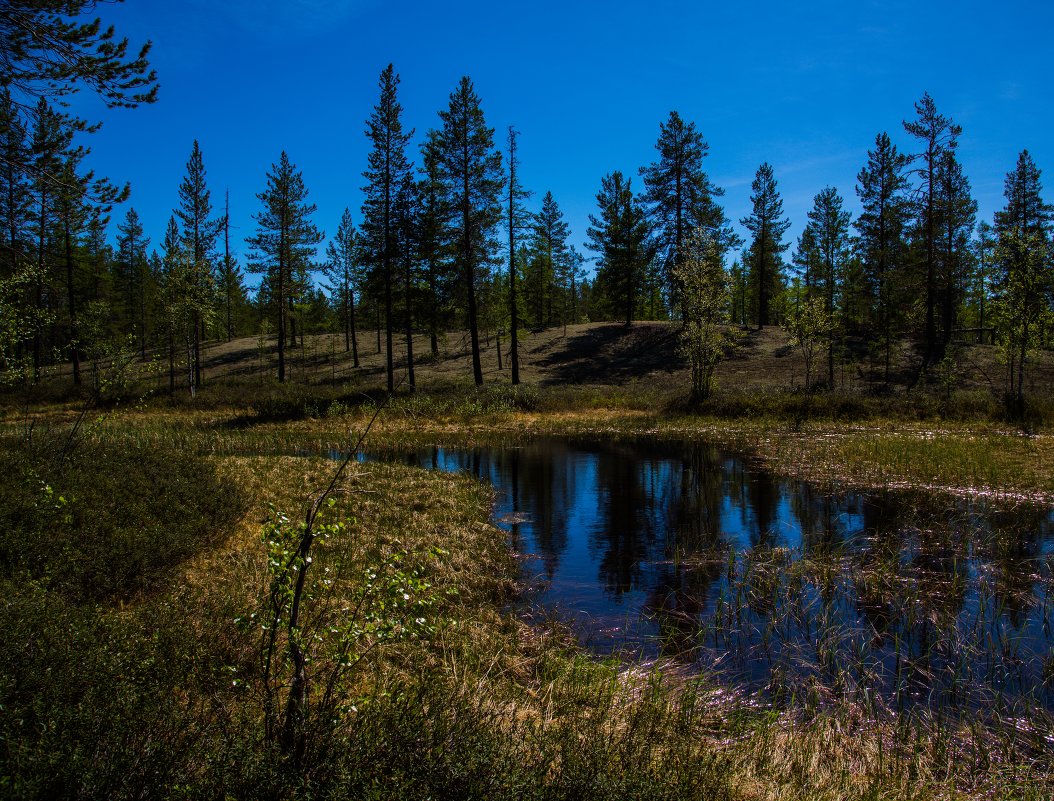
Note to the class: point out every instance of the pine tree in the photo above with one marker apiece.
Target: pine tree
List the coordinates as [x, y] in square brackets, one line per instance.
[938, 135]
[342, 270]
[132, 270]
[515, 222]
[199, 234]
[231, 287]
[405, 218]
[549, 235]
[829, 224]
[768, 226]
[386, 170]
[882, 187]
[680, 196]
[1025, 212]
[956, 213]
[620, 236]
[472, 180]
[284, 242]
[49, 53]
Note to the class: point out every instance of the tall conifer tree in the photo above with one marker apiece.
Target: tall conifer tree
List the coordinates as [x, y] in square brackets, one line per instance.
[515, 222]
[619, 235]
[680, 196]
[387, 167]
[549, 235]
[284, 242]
[199, 233]
[767, 225]
[473, 180]
[829, 226]
[342, 270]
[882, 187]
[937, 134]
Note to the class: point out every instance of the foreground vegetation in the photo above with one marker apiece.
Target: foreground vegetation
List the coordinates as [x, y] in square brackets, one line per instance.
[134, 662]
[147, 644]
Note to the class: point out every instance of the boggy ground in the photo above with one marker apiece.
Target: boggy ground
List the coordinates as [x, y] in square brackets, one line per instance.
[135, 662]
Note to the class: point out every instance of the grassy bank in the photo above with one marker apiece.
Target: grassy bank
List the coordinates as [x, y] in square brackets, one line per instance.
[974, 458]
[158, 685]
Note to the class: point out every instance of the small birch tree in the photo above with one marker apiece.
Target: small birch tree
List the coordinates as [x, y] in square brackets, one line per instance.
[705, 300]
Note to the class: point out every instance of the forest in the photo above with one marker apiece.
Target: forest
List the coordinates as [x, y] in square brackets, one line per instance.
[914, 273]
[451, 503]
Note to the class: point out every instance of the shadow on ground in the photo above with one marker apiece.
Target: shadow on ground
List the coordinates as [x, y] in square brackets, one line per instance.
[612, 354]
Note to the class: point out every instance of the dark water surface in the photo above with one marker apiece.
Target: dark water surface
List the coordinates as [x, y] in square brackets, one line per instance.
[683, 551]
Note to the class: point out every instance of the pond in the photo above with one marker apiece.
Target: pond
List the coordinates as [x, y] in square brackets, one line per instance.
[686, 553]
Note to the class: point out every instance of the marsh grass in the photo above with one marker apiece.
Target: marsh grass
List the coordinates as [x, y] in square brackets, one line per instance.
[138, 683]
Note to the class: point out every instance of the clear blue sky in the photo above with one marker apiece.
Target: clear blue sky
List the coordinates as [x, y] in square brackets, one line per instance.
[805, 86]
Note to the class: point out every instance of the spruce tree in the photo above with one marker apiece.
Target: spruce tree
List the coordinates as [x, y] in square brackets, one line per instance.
[232, 287]
[433, 240]
[176, 293]
[1025, 212]
[984, 245]
[405, 217]
[132, 273]
[1024, 279]
[767, 225]
[472, 180]
[387, 167]
[284, 242]
[956, 214]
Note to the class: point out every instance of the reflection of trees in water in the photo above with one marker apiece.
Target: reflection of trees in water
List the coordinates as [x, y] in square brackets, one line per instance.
[628, 531]
[695, 511]
[694, 551]
[912, 583]
[1012, 541]
[541, 483]
[755, 494]
[817, 514]
[876, 574]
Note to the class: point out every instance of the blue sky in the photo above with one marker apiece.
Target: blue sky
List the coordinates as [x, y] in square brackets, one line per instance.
[805, 86]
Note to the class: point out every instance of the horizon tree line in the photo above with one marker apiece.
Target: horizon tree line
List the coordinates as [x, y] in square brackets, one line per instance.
[915, 266]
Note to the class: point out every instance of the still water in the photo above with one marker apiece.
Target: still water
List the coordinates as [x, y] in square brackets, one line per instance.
[683, 552]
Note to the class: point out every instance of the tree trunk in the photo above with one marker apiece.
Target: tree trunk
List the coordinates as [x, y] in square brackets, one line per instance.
[74, 344]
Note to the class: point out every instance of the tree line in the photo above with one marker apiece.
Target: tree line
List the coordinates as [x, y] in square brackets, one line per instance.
[444, 240]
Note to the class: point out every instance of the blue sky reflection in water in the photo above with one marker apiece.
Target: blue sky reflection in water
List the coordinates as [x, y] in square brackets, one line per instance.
[682, 551]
